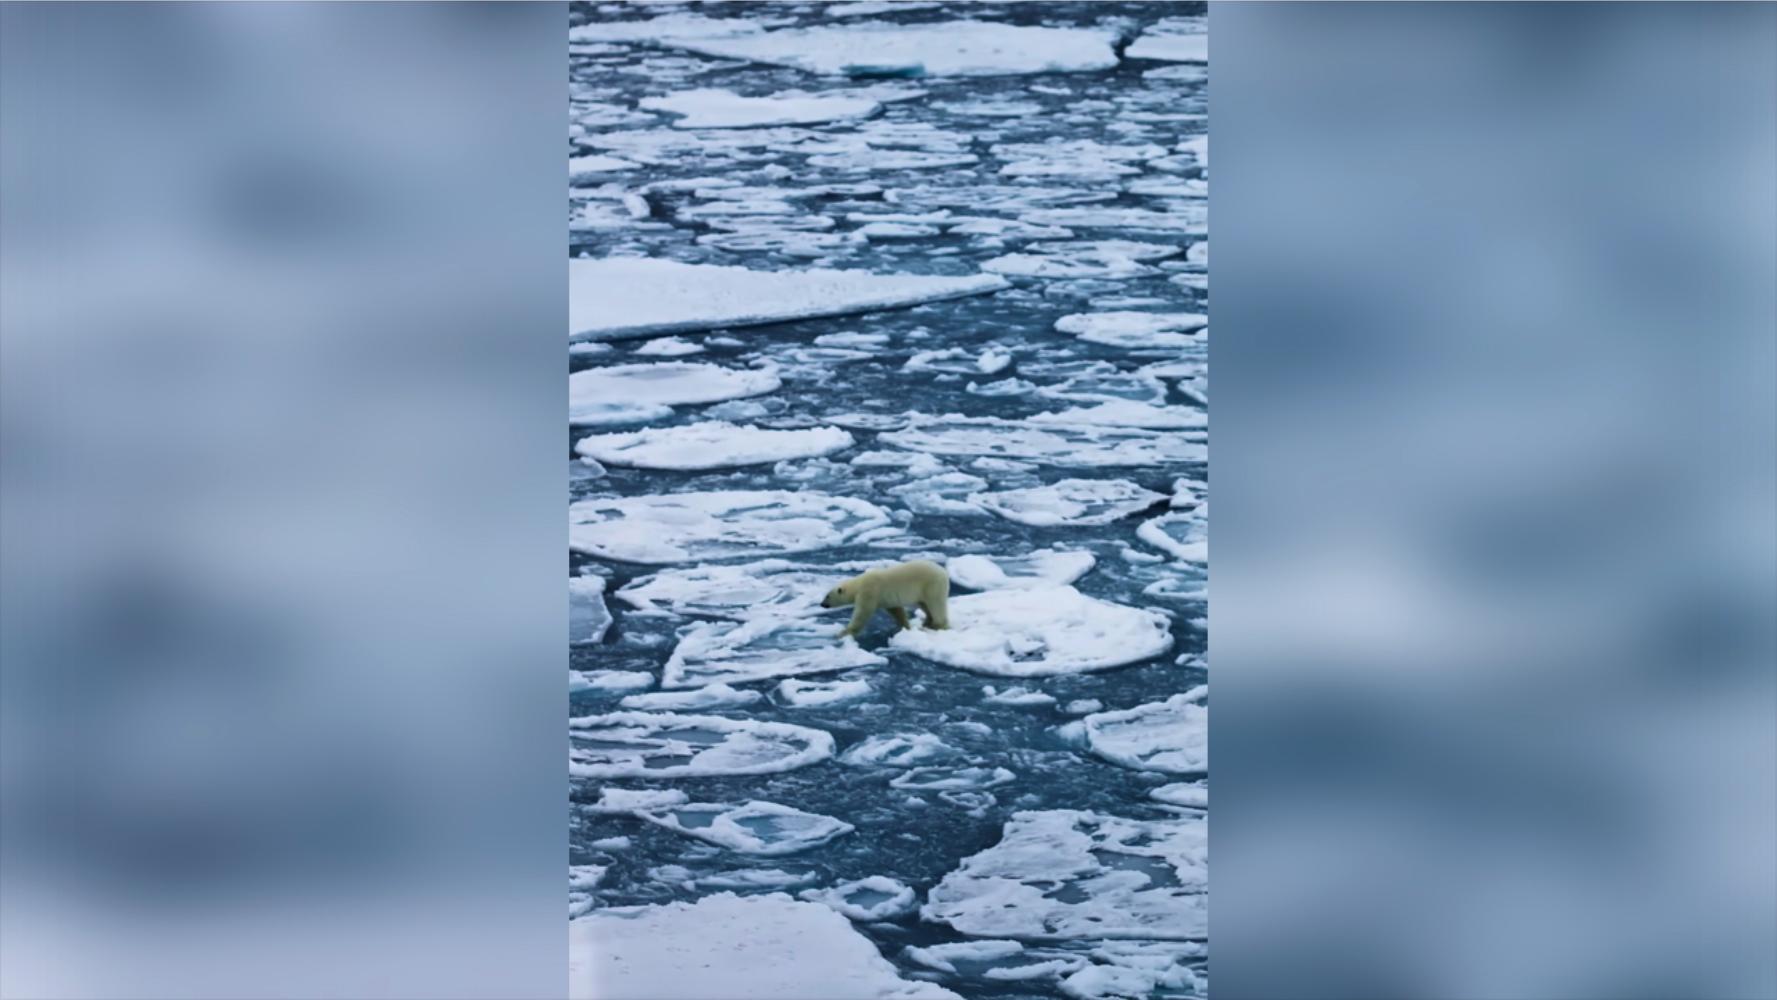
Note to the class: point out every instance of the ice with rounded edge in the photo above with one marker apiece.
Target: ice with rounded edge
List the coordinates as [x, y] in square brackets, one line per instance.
[766, 829]
[759, 648]
[1039, 568]
[874, 898]
[1182, 534]
[1039, 632]
[669, 745]
[1070, 502]
[663, 383]
[1183, 794]
[711, 444]
[668, 347]
[616, 297]
[1170, 736]
[1085, 259]
[766, 947]
[1082, 446]
[590, 168]
[735, 591]
[723, 524]
[950, 779]
[896, 750]
[1135, 329]
[1066, 874]
[609, 680]
[695, 699]
[1016, 695]
[1128, 413]
[943, 48]
[820, 694]
[1172, 39]
[716, 108]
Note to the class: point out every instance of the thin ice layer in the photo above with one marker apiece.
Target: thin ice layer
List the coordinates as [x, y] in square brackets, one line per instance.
[1039, 632]
[766, 829]
[617, 297]
[724, 524]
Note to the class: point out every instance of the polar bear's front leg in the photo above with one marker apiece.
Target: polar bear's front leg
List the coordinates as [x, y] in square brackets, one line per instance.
[861, 614]
[937, 612]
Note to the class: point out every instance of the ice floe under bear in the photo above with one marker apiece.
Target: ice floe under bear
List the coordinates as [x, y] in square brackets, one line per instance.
[1039, 632]
[722, 524]
[668, 745]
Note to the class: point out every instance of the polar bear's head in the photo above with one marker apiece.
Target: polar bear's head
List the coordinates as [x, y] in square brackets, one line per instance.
[842, 595]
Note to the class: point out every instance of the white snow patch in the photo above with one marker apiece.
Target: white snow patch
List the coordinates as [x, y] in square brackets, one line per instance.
[946, 48]
[1135, 329]
[874, 898]
[896, 750]
[1070, 501]
[1173, 39]
[696, 699]
[1170, 736]
[668, 347]
[1058, 444]
[685, 527]
[747, 590]
[942, 779]
[719, 652]
[1039, 568]
[1038, 632]
[1129, 413]
[819, 694]
[590, 168]
[1189, 795]
[1183, 535]
[653, 386]
[712, 444]
[609, 680]
[1015, 696]
[668, 745]
[714, 108]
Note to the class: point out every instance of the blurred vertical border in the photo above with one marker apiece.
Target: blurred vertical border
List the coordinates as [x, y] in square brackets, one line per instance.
[281, 294]
[1496, 501]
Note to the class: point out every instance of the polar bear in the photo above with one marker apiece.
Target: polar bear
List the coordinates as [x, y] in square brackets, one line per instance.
[895, 588]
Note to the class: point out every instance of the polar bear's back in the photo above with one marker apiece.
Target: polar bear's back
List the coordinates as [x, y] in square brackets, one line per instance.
[908, 584]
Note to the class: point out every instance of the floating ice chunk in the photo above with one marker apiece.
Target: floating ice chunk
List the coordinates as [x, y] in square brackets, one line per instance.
[1040, 568]
[591, 167]
[616, 801]
[1016, 696]
[1185, 536]
[992, 360]
[1170, 736]
[1070, 501]
[713, 444]
[1058, 444]
[946, 48]
[1083, 706]
[896, 750]
[668, 347]
[1135, 329]
[896, 231]
[940, 779]
[749, 590]
[763, 828]
[1185, 794]
[953, 958]
[1138, 969]
[768, 947]
[713, 108]
[656, 385]
[718, 652]
[677, 25]
[870, 8]
[819, 694]
[667, 745]
[875, 898]
[609, 680]
[946, 494]
[611, 844]
[617, 297]
[1085, 259]
[1064, 874]
[588, 618]
[754, 878]
[724, 524]
[1128, 413]
[1038, 632]
[696, 699]
[1172, 39]
[613, 412]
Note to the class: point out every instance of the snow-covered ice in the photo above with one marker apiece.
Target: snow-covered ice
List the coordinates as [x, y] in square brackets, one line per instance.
[666, 745]
[1170, 736]
[1172, 40]
[1038, 632]
[1070, 501]
[1183, 535]
[713, 696]
[737, 591]
[760, 648]
[1128, 413]
[896, 750]
[1135, 330]
[713, 444]
[767, 829]
[820, 694]
[588, 617]
[715, 108]
[768, 947]
[943, 48]
[944, 779]
[872, 898]
[1056, 444]
[1062, 874]
[618, 297]
[725, 524]
[1039, 568]
[651, 387]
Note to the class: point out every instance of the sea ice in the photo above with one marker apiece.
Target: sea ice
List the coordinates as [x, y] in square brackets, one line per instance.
[896, 750]
[609, 680]
[1172, 39]
[720, 652]
[747, 590]
[724, 524]
[624, 801]
[945, 48]
[1135, 329]
[675, 25]
[1021, 696]
[616, 297]
[651, 387]
[1064, 874]
[588, 618]
[873, 898]
[1129, 413]
[696, 699]
[1070, 502]
[714, 108]
[1059, 444]
[1171, 736]
[1038, 632]
[768, 947]
[593, 166]
[820, 694]
[1084, 259]
[1183, 535]
[1039, 568]
[766, 829]
[712, 444]
[1192, 796]
[946, 779]
[665, 347]
[668, 745]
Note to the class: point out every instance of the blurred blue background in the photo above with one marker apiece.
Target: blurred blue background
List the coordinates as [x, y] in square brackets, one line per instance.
[1495, 478]
[280, 472]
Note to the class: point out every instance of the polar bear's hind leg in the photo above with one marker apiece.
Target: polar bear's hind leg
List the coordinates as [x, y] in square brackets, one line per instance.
[900, 616]
[937, 613]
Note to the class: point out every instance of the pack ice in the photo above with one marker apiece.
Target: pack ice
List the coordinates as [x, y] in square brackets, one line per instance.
[1070, 501]
[721, 652]
[617, 297]
[712, 444]
[1135, 329]
[1170, 736]
[670, 745]
[873, 898]
[945, 48]
[737, 591]
[714, 108]
[1173, 39]
[1184, 535]
[766, 829]
[1038, 568]
[647, 391]
[1059, 444]
[1063, 874]
[588, 618]
[724, 524]
[768, 947]
[1039, 632]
